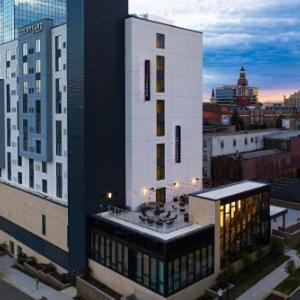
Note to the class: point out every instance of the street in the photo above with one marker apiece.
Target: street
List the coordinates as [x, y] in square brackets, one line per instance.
[8, 292]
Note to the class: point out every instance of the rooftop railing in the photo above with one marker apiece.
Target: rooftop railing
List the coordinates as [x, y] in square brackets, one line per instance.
[175, 221]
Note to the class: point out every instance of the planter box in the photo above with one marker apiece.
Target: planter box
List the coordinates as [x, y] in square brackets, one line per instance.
[55, 282]
[52, 281]
[89, 292]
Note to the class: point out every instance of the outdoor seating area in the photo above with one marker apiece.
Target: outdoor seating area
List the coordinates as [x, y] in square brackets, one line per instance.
[160, 217]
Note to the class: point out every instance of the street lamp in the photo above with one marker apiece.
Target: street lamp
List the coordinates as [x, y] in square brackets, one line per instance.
[220, 293]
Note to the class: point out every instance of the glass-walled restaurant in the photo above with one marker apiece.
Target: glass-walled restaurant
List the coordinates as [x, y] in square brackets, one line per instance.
[244, 225]
[163, 266]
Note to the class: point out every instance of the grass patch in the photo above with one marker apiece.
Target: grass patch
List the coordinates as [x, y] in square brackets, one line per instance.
[289, 284]
[102, 287]
[245, 279]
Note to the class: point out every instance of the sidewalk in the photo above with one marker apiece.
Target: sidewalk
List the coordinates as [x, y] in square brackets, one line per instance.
[27, 284]
[263, 287]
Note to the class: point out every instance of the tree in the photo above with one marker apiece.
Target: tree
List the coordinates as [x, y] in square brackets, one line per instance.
[279, 122]
[276, 247]
[290, 267]
[237, 121]
[247, 261]
[229, 273]
[259, 254]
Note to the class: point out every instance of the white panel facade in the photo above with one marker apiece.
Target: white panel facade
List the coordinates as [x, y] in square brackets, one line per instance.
[183, 107]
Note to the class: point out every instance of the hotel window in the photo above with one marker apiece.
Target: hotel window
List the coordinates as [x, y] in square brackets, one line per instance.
[161, 195]
[20, 161]
[58, 96]
[8, 132]
[8, 98]
[59, 180]
[160, 117]
[38, 66]
[44, 186]
[25, 135]
[160, 74]
[8, 166]
[25, 68]
[160, 166]
[160, 41]
[25, 49]
[222, 144]
[38, 147]
[44, 225]
[38, 46]
[19, 178]
[25, 87]
[38, 86]
[31, 173]
[234, 143]
[38, 116]
[8, 57]
[44, 167]
[58, 138]
[58, 60]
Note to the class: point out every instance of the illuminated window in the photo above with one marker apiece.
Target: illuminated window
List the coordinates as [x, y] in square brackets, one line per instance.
[160, 117]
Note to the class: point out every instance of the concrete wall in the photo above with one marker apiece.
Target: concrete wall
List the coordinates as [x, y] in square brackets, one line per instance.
[26, 210]
[183, 107]
[127, 287]
[89, 292]
[5, 238]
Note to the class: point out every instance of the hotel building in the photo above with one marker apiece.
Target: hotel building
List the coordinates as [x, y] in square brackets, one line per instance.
[89, 129]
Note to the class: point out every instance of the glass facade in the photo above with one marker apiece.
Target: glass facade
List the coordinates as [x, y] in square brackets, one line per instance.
[18, 13]
[165, 267]
[161, 276]
[244, 225]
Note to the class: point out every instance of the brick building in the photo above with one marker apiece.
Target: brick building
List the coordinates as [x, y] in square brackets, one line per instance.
[280, 157]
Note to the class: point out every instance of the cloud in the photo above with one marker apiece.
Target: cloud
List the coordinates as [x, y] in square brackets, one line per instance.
[262, 35]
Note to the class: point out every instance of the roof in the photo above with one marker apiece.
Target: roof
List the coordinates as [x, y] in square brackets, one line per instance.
[259, 154]
[285, 135]
[276, 211]
[231, 190]
[161, 23]
[287, 189]
[229, 133]
[163, 236]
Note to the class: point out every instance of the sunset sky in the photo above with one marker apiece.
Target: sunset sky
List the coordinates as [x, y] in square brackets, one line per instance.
[264, 36]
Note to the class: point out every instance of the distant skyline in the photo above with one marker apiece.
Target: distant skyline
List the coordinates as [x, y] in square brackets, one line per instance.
[264, 36]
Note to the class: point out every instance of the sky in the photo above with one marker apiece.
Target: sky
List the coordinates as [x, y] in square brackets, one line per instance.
[262, 35]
